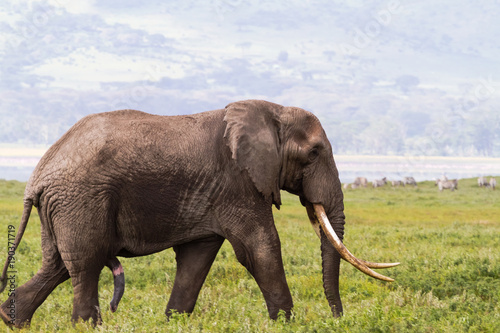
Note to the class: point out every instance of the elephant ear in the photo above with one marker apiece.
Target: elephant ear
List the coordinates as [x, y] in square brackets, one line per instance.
[253, 135]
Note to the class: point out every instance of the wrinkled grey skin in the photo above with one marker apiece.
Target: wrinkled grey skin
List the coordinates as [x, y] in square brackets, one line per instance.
[127, 183]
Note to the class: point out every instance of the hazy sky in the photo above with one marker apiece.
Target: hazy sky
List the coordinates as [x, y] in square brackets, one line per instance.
[444, 43]
[387, 77]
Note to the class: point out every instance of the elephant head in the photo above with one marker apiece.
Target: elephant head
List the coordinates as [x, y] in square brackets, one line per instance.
[286, 148]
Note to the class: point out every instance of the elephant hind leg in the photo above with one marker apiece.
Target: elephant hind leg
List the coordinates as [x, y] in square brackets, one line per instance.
[85, 245]
[24, 300]
[85, 289]
[86, 302]
[84, 267]
[194, 260]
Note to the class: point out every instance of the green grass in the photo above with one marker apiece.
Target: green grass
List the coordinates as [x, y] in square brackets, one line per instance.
[448, 281]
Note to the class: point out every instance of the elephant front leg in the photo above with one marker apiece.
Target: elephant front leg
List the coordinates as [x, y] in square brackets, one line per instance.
[260, 253]
[194, 260]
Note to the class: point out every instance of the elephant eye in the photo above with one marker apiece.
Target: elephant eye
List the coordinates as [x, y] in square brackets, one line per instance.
[313, 154]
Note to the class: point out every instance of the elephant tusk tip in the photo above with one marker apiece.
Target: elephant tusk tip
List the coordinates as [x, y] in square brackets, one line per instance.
[388, 265]
[379, 265]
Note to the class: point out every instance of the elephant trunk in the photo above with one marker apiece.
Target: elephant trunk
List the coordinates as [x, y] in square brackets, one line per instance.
[330, 258]
[331, 271]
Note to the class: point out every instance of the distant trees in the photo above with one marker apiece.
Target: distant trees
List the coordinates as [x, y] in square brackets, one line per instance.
[416, 133]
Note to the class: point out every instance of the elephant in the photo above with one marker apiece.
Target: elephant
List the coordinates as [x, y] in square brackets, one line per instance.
[128, 183]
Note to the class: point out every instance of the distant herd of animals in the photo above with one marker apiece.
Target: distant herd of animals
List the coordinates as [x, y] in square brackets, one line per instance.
[482, 182]
[442, 183]
[363, 182]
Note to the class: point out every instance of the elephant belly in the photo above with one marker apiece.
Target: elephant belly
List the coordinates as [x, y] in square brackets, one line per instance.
[151, 225]
[152, 237]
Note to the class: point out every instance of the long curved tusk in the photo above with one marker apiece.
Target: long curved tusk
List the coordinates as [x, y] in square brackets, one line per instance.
[343, 251]
[316, 226]
[379, 264]
[314, 221]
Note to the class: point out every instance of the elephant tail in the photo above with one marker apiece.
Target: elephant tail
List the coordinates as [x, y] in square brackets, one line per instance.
[13, 244]
[119, 282]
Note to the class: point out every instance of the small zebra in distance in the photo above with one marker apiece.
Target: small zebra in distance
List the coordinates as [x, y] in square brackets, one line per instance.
[447, 184]
[397, 183]
[409, 181]
[482, 182]
[379, 182]
[360, 181]
[493, 183]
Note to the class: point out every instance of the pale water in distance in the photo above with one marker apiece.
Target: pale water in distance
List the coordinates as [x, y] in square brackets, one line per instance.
[420, 167]
[17, 163]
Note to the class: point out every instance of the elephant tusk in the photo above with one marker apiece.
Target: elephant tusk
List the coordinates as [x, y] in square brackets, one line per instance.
[379, 264]
[316, 226]
[314, 221]
[343, 251]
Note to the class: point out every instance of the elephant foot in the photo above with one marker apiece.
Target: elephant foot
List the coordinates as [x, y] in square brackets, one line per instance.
[11, 317]
[92, 315]
[6, 318]
[275, 313]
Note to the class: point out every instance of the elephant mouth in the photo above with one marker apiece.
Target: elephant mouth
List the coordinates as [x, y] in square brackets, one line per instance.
[318, 218]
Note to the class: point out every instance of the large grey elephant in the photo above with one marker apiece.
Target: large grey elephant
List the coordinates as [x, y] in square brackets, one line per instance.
[127, 183]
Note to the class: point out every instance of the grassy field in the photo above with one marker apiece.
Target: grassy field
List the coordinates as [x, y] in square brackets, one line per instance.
[448, 281]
